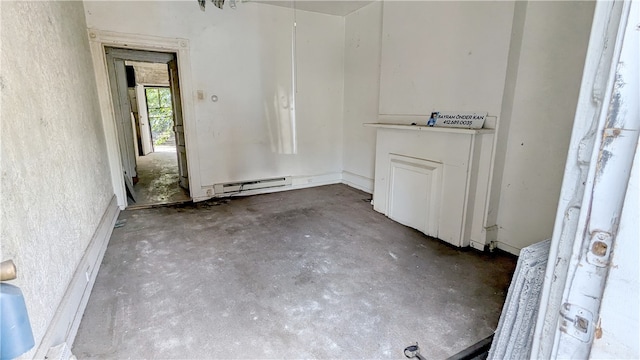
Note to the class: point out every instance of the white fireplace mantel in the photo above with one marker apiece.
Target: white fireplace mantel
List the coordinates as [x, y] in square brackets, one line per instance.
[435, 180]
[430, 128]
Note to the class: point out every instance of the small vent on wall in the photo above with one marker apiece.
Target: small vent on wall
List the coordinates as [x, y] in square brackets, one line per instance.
[237, 187]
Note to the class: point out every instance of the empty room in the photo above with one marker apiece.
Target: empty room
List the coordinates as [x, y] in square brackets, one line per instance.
[214, 179]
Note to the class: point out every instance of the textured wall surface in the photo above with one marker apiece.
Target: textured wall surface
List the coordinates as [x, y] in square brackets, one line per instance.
[55, 180]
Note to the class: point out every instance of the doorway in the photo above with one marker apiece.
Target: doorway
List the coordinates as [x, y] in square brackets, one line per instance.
[147, 107]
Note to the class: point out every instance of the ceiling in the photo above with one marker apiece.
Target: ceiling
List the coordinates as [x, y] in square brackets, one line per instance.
[331, 7]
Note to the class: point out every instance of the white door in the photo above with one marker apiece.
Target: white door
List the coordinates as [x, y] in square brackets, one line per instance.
[178, 123]
[122, 111]
[145, 128]
[589, 302]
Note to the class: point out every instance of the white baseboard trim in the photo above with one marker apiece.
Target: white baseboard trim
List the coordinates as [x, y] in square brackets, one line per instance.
[508, 248]
[66, 320]
[301, 182]
[476, 245]
[357, 181]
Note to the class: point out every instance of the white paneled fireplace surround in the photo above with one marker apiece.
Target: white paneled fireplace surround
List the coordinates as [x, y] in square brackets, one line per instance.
[435, 180]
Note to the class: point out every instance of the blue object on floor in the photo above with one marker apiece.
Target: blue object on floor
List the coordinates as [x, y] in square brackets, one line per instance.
[16, 336]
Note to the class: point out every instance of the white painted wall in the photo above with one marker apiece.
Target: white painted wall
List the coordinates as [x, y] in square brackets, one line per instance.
[363, 29]
[444, 55]
[542, 97]
[244, 57]
[55, 178]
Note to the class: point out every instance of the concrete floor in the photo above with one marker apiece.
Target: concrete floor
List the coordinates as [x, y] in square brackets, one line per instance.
[312, 273]
[158, 178]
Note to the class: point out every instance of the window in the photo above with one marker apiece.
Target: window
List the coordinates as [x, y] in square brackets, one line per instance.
[160, 110]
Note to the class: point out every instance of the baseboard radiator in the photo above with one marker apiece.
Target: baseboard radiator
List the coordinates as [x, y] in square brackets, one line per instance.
[514, 335]
[237, 187]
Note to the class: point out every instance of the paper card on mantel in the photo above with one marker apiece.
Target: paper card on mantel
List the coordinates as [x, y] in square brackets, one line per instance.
[456, 119]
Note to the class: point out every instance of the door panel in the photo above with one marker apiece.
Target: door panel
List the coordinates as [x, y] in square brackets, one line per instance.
[178, 124]
[145, 128]
[122, 112]
[414, 188]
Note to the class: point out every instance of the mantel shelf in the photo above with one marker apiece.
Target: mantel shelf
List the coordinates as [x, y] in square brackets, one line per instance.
[430, 128]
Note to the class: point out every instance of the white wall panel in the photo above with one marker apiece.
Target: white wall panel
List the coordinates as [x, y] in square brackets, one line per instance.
[361, 90]
[444, 55]
[414, 192]
[554, 44]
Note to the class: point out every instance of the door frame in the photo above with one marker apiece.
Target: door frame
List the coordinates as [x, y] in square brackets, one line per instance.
[98, 40]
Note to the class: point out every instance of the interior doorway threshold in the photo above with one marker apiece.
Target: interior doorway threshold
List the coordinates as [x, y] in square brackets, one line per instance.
[157, 205]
